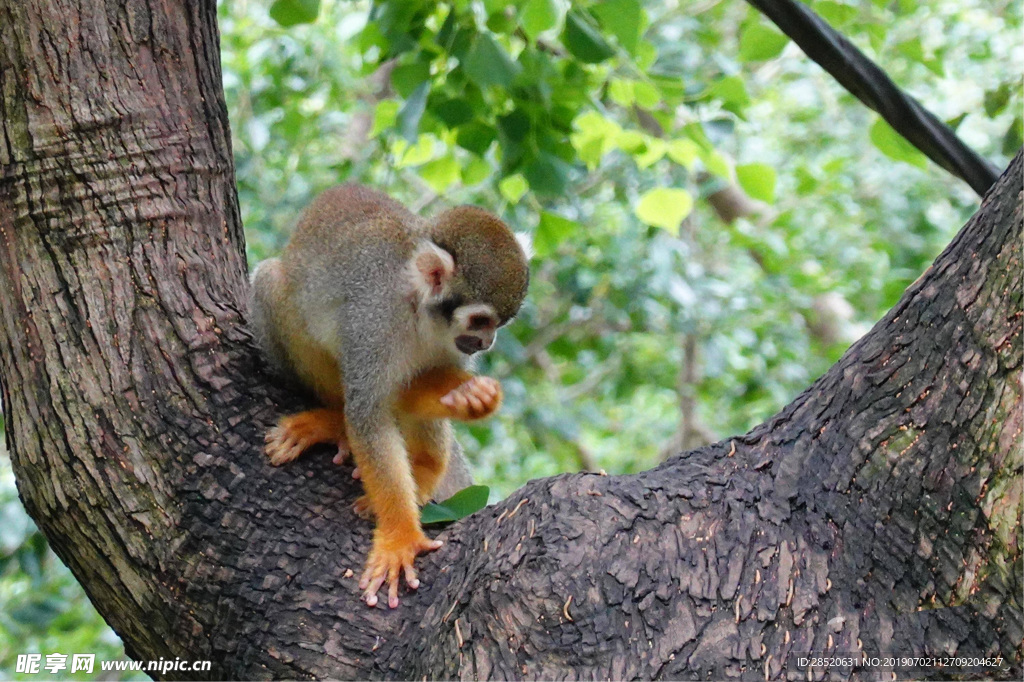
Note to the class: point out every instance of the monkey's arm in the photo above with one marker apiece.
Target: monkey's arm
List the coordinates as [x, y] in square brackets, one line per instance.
[450, 393]
[441, 393]
[380, 452]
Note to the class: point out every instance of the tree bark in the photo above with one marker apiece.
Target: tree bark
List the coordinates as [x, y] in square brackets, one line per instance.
[879, 512]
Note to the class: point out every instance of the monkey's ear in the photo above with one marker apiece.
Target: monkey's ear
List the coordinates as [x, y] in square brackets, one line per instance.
[526, 244]
[432, 268]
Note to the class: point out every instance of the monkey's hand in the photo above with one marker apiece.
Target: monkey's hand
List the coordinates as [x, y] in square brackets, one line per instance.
[296, 433]
[393, 553]
[475, 398]
[450, 393]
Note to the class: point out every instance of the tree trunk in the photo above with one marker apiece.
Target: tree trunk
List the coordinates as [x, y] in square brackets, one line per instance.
[879, 512]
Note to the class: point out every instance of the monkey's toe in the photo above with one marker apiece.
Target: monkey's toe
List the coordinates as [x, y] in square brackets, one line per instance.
[344, 452]
[363, 507]
[281, 447]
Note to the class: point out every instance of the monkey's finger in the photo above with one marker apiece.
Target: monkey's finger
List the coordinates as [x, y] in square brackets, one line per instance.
[356, 473]
[475, 404]
[374, 586]
[393, 586]
[364, 579]
[371, 572]
[492, 387]
[410, 577]
[483, 389]
[456, 400]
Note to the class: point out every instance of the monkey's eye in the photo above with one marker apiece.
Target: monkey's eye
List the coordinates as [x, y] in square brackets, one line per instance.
[478, 322]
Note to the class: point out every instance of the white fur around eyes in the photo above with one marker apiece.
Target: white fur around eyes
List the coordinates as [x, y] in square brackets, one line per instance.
[463, 313]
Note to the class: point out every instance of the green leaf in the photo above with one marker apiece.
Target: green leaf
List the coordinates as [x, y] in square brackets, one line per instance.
[914, 49]
[407, 77]
[548, 175]
[476, 171]
[695, 131]
[621, 92]
[460, 505]
[440, 174]
[1014, 137]
[552, 231]
[594, 137]
[583, 40]
[513, 188]
[653, 151]
[955, 122]
[384, 117]
[716, 164]
[514, 126]
[835, 13]
[996, 100]
[646, 54]
[664, 207]
[291, 12]
[411, 113]
[500, 21]
[892, 144]
[413, 154]
[647, 95]
[732, 91]
[684, 152]
[623, 18]
[633, 142]
[757, 180]
[538, 16]
[452, 112]
[487, 64]
[475, 137]
[759, 43]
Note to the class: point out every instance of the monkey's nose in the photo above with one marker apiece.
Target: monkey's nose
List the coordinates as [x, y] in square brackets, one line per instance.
[469, 344]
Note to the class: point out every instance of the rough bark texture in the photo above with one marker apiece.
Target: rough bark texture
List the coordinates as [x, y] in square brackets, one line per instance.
[880, 511]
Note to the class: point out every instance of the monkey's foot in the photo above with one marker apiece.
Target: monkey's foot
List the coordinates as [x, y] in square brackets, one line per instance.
[297, 433]
[475, 398]
[388, 558]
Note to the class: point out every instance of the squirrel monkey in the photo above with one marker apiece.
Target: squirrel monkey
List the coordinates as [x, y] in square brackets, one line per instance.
[377, 311]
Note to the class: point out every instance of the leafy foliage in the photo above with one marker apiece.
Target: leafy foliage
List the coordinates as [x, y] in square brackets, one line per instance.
[690, 181]
[461, 504]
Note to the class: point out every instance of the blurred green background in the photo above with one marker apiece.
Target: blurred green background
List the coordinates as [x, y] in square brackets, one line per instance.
[714, 219]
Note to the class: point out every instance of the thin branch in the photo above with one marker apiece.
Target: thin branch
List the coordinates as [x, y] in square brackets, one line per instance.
[868, 83]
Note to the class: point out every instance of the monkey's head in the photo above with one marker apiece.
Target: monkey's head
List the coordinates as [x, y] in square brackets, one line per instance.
[470, 277]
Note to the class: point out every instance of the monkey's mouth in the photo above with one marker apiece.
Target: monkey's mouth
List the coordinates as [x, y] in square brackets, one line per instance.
[469, 344]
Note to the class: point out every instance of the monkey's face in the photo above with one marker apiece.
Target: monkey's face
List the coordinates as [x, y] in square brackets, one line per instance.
[471, 326]
[450, 310]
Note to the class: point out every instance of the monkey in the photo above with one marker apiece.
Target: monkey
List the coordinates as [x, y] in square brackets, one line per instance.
[379, 312]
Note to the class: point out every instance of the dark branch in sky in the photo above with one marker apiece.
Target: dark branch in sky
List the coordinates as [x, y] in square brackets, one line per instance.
[868, 83]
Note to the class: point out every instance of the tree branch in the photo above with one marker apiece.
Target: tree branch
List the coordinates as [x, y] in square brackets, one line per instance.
[870, 84]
